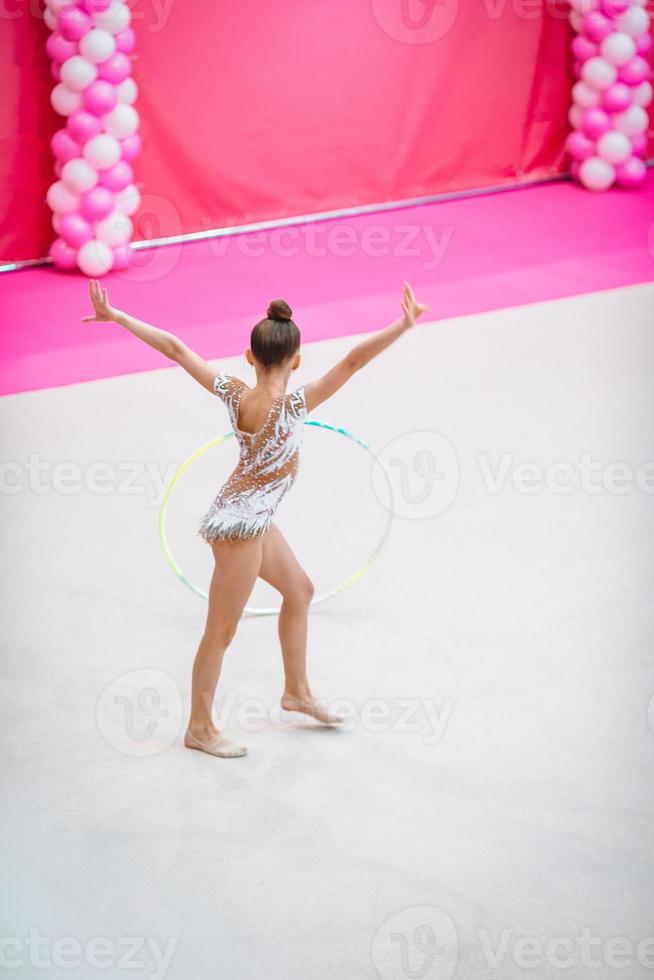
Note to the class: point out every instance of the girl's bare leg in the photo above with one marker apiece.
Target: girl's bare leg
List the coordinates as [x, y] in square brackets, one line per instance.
[236, 569]
[281, 569]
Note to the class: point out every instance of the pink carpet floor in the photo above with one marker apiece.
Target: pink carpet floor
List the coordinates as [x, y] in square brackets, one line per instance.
[341, 276]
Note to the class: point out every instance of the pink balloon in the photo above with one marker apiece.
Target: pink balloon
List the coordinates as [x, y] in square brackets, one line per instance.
[83, 125]
[95, 6]
[100, 97]
[617, 97]
[55, 71]
[615, 8]
[576, 70]
[596, 26]
[60, 48]
[75, 230]
[96, 203]
[579, 146]
[130, 146]
[58, 167]
[639, 144]
[631, 173]
[74, 23]
[115, 69]
[118, 177]
[64, 147]
[574, 169]
[62, 255]
[125, 40]
[583, 49]
[595, 122]
[634, 72]
[643, 44]
[122, 257]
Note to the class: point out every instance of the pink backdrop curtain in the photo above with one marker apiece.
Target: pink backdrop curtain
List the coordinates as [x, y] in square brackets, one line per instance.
[258, 110]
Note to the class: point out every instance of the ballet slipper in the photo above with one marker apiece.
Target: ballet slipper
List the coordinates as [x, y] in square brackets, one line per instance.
[220, 746]
[312, 708]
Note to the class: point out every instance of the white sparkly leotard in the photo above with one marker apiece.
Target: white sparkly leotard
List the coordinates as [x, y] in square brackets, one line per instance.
[267, 466]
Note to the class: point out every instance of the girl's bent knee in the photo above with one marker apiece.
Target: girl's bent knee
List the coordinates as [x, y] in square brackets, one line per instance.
[220, 637]
[301, 594]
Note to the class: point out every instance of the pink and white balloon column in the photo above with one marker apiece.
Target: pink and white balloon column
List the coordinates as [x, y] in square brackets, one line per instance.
[611, 93]
[94, 194]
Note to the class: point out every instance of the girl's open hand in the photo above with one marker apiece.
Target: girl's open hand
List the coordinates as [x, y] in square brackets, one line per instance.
[411, 308]
[100, 300]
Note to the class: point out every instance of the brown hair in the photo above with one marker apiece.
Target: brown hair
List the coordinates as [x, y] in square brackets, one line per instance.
[276, 338]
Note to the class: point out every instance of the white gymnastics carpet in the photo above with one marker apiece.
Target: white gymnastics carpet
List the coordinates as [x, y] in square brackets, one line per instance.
[486, 813]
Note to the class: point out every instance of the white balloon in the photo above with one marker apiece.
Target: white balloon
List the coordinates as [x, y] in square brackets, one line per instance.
[632, 121]
[127, 91]
[128, 200]
[114, 19]
[618, 48]
[95, 258]
[115, 229]
[576, 21]
[634, 23]
[56, 222]
[643, 94]
[61, 199]
[614, 147]
[64, 101]
[596, 174]
[78, 73]
[599, 73]
[79, 175]
[50, 19]
[97, 45]
[102, 151]
[58, 5]
[575, 115]
[121, 121]
[585, 96]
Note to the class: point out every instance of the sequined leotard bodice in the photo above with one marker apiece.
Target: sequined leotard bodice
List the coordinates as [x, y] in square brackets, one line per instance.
[267, 466]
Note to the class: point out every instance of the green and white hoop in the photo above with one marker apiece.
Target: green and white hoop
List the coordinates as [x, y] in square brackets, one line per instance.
[356, 576]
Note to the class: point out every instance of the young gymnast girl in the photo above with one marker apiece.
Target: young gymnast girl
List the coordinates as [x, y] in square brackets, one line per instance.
[239, 525]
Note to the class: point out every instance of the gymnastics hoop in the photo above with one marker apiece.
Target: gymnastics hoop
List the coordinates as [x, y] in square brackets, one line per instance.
[273, 610]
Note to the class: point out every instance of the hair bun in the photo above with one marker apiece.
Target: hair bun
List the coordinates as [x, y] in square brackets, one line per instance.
[279, 310]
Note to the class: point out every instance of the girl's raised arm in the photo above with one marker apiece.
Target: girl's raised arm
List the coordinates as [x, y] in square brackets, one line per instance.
[166, 343]
[318, 391]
